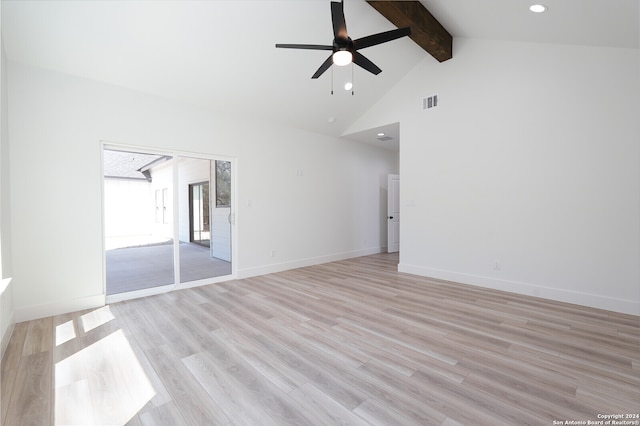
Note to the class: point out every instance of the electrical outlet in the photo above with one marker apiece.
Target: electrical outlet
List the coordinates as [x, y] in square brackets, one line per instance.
[497, 265]
[273, 253]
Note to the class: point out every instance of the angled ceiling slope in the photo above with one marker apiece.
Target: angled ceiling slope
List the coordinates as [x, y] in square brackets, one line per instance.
[426, 31]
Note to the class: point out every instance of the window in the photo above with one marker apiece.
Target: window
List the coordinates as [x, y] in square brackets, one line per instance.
[223, 183]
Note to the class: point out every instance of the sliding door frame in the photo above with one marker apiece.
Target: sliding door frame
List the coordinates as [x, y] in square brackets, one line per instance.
[177, 285]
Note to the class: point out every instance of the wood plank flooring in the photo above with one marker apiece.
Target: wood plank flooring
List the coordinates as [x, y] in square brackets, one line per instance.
[349, 342]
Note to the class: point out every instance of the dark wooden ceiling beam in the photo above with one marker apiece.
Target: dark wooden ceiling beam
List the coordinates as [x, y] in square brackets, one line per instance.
[426, 31]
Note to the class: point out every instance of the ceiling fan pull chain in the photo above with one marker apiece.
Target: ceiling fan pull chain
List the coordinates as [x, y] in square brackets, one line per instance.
[353, 83]
[332, 80]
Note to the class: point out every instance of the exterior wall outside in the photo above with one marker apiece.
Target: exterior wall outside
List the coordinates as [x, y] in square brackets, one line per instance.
[162, 186]
[190, 170]
[129, 208]
[221, 235]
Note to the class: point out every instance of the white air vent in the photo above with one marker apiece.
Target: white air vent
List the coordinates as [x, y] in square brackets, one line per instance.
[430, 102]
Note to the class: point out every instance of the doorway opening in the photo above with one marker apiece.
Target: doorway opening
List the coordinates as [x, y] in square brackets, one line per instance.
[199, 226]
[393, 213]
[162, 227]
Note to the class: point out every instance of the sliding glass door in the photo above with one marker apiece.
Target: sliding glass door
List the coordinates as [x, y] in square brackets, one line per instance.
[138, 218]
[205, 238]
[167, 219]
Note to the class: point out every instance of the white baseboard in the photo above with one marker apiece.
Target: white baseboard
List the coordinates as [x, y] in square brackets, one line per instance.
[301, 263]
[32, 312]
[29, 313]
[560, 295]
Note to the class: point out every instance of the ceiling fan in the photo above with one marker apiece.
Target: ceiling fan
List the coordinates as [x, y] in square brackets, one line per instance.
[345, 50]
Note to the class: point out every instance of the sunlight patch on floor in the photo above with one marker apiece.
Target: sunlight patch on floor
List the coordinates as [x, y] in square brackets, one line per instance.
[103, 384]
[96, 318]
[65, 332]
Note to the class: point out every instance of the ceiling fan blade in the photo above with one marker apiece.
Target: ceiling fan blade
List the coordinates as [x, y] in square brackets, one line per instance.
[305, 46]
[339, 23]
[380, 38]
[359, 59]
[325, 66]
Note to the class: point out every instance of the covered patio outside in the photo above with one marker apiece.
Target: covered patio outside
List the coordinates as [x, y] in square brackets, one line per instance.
[152, 200]
[144, 262]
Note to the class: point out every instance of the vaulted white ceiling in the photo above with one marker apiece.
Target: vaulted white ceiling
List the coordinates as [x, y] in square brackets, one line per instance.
[221, 54]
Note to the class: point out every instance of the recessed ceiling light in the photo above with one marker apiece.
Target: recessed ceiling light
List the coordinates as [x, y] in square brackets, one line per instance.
[538, 8]
[348, 86]
[380, 134]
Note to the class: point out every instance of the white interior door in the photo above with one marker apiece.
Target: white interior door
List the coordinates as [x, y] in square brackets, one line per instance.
[393, 213]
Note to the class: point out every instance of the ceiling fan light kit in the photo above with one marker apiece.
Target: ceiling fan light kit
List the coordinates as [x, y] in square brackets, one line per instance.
[342, 58]
[344, 49]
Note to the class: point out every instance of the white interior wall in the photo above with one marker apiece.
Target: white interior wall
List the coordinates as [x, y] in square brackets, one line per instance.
[302, 198]
[531, 160]
[5, 211]
[6, 268]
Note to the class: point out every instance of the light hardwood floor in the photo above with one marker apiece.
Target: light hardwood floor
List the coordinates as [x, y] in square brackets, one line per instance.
[349, 342]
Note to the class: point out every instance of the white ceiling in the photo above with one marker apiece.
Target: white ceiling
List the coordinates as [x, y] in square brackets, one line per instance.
[221, 54]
